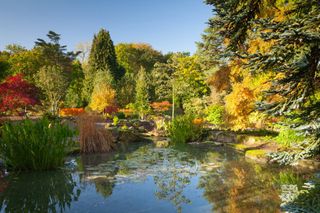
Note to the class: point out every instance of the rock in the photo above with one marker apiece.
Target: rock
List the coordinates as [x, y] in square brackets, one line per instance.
[258, 155]
[307, 164]
[221, 136]
[128, 137]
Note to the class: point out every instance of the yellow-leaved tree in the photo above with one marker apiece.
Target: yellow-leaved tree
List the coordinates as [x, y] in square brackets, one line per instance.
[103, 94]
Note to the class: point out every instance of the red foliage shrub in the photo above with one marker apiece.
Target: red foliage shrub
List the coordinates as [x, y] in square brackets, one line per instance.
[15, 93]
[111, 109]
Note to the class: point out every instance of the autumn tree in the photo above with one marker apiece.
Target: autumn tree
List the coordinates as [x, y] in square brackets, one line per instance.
[103, 94]
[16, 93]
[280, 40]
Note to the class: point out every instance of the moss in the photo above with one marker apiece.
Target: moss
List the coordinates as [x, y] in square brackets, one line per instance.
[239, 146]
[256, 153]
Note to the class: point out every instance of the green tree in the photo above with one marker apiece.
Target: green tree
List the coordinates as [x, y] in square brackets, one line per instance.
[73, 95]
[53, 83]
[15, 48]
[4, 64]
[142, 95]
[161, 80]
[102, 57]
[188, 78]
[53, 53]
[131, 56]
[27, 62]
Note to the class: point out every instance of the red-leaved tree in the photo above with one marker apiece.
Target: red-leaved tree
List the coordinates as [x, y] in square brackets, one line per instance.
[15, 93]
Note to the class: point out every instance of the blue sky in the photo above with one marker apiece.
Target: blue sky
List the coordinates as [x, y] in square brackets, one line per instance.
[168, 25]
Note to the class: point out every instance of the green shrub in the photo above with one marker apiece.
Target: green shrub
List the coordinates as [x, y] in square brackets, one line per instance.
[121, 115]
[182, 129]
[115, 120]
[287, 137]
[214, 114]
[35, 145]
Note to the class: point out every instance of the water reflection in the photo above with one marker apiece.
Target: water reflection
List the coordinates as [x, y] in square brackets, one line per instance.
[240, 187]
[144, 178]
[39, 192]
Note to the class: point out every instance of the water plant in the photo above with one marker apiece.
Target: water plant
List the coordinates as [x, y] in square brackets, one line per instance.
[182, 129]
[94, 138]
[35, 145]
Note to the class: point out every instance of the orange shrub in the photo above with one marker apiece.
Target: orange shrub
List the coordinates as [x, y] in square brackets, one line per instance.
[65, 112]
[161, 106]
[198, 121]
[127, 112]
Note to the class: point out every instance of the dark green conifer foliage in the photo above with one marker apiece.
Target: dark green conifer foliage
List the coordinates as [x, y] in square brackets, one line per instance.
[102, 57]
[295, 54]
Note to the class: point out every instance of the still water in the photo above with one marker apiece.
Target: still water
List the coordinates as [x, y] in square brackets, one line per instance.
[143, 178]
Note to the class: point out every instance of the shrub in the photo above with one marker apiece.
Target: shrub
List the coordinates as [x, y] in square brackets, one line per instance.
[161, 106]
[121, 115]
[288, 137]
[94, 138]
[214, 114]
[115, 121]
[65, 112]
[35, 145]
[182, 129]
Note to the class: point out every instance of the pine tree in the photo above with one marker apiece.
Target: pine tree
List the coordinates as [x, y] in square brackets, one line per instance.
[102, 57]
[292, 29]
[142, 93]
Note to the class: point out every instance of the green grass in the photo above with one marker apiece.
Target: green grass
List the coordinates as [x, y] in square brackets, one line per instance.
[35, 145]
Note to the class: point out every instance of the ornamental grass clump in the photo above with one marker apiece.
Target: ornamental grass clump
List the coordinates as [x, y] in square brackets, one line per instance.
[35, 145]
[94, 138]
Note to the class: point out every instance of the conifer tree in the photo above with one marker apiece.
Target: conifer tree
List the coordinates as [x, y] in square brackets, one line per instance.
[102, 57]
[292, 29]
[142, 93]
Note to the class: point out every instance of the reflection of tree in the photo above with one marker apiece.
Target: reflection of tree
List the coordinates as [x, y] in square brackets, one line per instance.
[44, 192]
[90, 165]
[103, 186]
[173, 178]
[240, 187]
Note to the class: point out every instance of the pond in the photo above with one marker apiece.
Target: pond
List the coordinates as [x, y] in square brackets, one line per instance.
[143, 178]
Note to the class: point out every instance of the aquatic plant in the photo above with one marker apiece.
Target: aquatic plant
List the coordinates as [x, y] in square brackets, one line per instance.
[35, 145]
[182, 129]
[94, 138]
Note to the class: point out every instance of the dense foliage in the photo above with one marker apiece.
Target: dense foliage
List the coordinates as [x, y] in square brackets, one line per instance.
[271, 63]
[17, 93]
[35, 145]
[183, 129]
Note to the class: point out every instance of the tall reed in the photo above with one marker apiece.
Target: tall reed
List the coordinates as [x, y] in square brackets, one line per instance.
[94, 138]
[35, 145]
